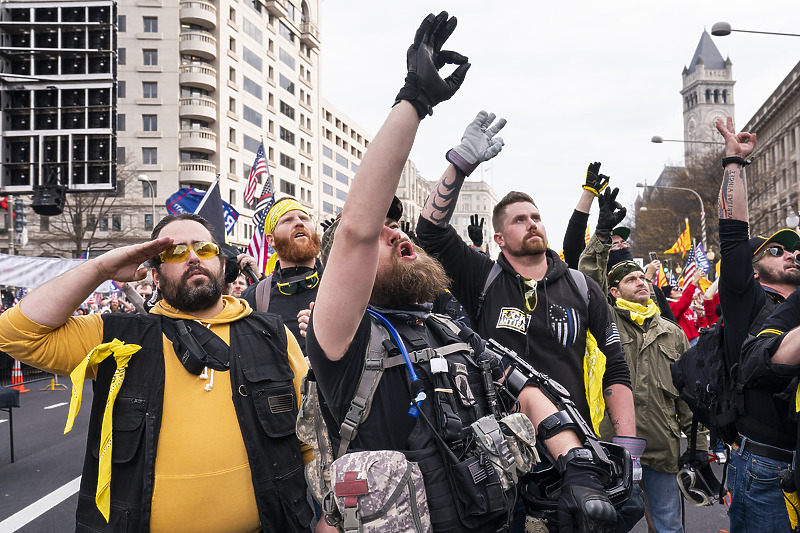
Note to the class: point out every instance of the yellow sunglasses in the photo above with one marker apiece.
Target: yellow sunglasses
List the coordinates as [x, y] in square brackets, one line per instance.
[531, 297]
[178, 253]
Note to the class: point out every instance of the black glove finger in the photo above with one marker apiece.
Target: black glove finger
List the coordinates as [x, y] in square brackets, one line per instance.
[482, 220]
[449, 57]
[438, 23]
[612, 195]
[455, 79]
[619, 216]
[423, 29]
[473, 220]
[443, 30]
[594, 168]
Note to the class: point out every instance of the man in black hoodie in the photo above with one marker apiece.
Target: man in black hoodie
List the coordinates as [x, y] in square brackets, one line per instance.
[534, 306]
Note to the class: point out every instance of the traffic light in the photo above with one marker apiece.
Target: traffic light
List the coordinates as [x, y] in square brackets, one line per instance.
[19, 215]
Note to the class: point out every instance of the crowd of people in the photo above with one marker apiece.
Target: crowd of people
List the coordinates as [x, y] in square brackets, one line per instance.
[378, 380]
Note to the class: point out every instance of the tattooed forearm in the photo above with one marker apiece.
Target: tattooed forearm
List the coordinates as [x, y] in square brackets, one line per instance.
[441, 203]
[608, 392]
[615, 423]
[726, 194]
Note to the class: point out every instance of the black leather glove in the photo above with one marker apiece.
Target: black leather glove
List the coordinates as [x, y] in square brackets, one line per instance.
[475, 230]
[424, 87]
[405, 227]
[595, 181]
[583, 505]
[325, 224]
[611, 213]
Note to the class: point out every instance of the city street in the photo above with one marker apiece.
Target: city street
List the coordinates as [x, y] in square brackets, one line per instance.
[39, 491]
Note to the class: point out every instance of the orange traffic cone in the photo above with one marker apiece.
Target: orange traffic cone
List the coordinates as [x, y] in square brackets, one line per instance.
[16, 378]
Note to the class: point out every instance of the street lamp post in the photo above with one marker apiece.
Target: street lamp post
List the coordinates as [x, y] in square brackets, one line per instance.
[658, 140]
[720, 29]
[702, 207]
[145, 178]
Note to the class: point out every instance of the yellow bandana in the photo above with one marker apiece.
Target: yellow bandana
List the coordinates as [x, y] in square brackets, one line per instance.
[639, 313]
[122, 354]
[281, 207]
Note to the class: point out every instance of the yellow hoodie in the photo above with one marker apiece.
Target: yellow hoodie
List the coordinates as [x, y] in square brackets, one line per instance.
[201, 456]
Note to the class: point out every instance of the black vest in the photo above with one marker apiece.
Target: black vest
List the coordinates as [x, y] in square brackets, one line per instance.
[266, 408]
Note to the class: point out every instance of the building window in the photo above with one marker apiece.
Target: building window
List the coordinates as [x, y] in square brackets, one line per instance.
[149, 156]
[342, 178]
[252, 145]
[150, 56]
[252, 59]
[287, 136]
[122, 155]
[287, 110]
[102, 224]
[252, 30]
[287, 58]
[116, 223]
[150, 122]
[342, 161]
[285, 32]
[121, 55]
[232, 74]
[232, 44]
[149, 189]
[148, 221]
[327, 152]
[341, 195]
[252, 87]
[150, 89]
[232, 135]
[287, 161]
[287, 84]
[121, 122]
[232, 104]
[231, 165]
[44, 223]
[150, 24]
[121, 89]
[122, 23]
[327, 188]
[252, 116]
[327, 208]
[286, 187]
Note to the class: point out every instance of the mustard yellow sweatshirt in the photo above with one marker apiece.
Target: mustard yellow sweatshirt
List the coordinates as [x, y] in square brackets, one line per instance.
[201, 456]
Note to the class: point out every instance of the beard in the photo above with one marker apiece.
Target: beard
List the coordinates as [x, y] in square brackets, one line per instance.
[403, 283]
[292, 251]
[529, 247]
[778, 275]
[186, 296]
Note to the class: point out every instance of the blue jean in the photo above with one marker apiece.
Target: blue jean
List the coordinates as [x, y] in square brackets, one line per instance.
[757, 502]
[663, 499]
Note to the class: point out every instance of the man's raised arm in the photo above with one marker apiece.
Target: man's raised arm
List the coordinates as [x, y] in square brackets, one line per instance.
[346, 287]
[733, 193]
[478, 144]
[54, 302]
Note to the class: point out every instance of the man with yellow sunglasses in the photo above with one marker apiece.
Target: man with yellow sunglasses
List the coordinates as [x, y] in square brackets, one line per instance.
[204, 392]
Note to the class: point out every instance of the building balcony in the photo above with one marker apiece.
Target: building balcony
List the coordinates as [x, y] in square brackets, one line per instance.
[199, 12]
[200, 140]
[200, 76]
[197, 172]
[198, 107]
[199, 43]
[276, 8]
[309, 35]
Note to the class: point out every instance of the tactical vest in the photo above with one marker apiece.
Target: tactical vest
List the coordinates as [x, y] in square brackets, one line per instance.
[465, 491]
[265, 405]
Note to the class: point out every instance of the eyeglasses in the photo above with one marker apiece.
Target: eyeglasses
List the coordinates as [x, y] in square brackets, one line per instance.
[178, 253]
[291, 286]
[619, 245]
[775, 251]
[531, 297]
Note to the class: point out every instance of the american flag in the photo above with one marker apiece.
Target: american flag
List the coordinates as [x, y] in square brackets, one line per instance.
[259, 167]
[691, 266]
[258, 247]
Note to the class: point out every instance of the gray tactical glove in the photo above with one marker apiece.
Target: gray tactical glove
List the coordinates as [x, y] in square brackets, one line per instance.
[478, 144]
[424, 87]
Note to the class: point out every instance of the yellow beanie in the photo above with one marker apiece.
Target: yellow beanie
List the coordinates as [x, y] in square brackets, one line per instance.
[281, 207]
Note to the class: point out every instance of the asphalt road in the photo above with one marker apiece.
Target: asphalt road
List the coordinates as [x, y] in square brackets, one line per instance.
[39, 491]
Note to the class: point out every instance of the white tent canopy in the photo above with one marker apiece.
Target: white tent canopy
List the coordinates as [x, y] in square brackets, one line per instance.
[30, 272]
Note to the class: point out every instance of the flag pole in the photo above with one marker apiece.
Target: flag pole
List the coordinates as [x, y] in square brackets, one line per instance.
[205, 197]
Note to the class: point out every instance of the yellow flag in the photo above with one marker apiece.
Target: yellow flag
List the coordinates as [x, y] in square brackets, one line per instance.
[587, 236]
[683, 243]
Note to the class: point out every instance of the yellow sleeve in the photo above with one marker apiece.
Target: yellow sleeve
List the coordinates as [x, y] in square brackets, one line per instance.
[300, 369]
[56, 350]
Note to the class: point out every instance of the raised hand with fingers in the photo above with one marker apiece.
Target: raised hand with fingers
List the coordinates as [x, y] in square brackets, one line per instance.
[424, 87]
[475, 230]
[478, 144]
[325, 224]
[738, 145]
[595, 182]
[611, 213]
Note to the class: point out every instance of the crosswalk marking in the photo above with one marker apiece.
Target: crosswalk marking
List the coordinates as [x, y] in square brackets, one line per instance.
[38, 508]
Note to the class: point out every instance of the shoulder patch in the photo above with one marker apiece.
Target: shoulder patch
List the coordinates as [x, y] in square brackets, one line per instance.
[514, 319]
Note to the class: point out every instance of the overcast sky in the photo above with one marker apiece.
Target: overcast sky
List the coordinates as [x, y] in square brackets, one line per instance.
[578, 81]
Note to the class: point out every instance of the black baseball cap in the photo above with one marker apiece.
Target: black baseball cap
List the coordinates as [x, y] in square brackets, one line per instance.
[787, 237]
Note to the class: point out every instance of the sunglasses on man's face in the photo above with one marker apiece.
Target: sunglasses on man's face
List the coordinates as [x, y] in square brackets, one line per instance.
[178, 253]
[775, 251]
[531, 297]
[290, 287]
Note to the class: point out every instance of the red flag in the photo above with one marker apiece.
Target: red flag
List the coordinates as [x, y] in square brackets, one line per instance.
[259, 167]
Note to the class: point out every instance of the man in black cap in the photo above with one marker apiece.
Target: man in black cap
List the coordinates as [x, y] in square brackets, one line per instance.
[756, 275]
